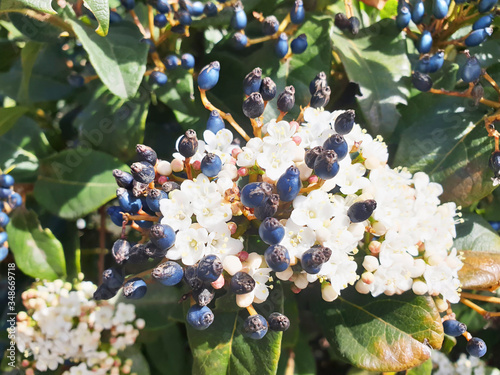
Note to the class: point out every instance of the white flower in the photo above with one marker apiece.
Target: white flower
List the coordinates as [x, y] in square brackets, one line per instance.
[220, 143]
[275, 159]
[248, 156]
[211, 214]
[125, 312]
[297, 239]
[221, 243]
[177, 210]
[278, 133]
[312, 210]
[189, 246]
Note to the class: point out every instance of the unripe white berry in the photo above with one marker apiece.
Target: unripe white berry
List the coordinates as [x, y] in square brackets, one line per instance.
[362, 288]
[328, 293]
[367, 278]
[370, 263]
[374, 247]
[164, 168]
[177, 165]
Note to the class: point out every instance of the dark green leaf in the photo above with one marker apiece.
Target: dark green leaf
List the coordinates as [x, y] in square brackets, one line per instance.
[76, 182]
[376, 59]
[382, 333]
[424, 369]
[35, 30]
[100, 9]
[450, 145]
[9, 116]
[139, 363]
[223, 349]
[303, 361]
[112, 124]
[41, 5]
[21, 147]
[477, 235]
[29, 55]
[37, 252]
[119, 59]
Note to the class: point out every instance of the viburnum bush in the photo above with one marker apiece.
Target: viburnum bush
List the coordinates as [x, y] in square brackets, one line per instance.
[249, 187]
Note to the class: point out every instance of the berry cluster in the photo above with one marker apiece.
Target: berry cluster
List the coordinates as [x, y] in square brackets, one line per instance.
[10, 200]
[314, 192]
[476, 347]
[63, 329]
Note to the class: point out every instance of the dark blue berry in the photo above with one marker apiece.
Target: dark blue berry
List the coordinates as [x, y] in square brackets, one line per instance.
[4, 219]
[210, 9]
[6, 180]
[121, 251]
[313, 259]
[168, 186]
[417, 14]
[187, 61]
[278, 322]
[146, 153]
[200, 317]
[421, 81]
[286, 100]
[114, 17]
[162, 6]
[320, 98]
[326, 165]
[104, 293]
[425, 43]
[197, 9]
[476, 347]
[318, 83]
[268, 208]
[252, 81]
[424, 64]
[486, 5]
[454, 327]
[148, 249]
[188, 144]
[253, 106]
[3, 238]
[15, 200]
[255, 193]
[128, 4]
[494, 163]
[495, 225]
[277, 258]
[471, 70]
[191, 277]
[178, 29]
[361, 211]
[270, 25]
[186, 5]
[403, 18]
[267, 89]
[160, 20]
[239, 19]
[337, 143]
[184, 18]
[158, 78]
[344, 122]
[281, 47]
[299, 44]
[149, 42]
[311, 156]
[476, 37]
[128, 202]
[209, 268]
[215, 122]
[162, 235]
[76, 80]
[436, 61]
[135, 288]
[113, 278]
[168, 273]
[439, 10]
[483, 22]
[5, 193]
[239, 41]
[289, 184]
[116, 216]
[354, 25]
[211, 165]
[144, 224]
[298, 14]
[143, 172]
[153, 199]
[4, 251]
[241, 283]
[341, 21]
[255, 327]
[271, 231]
[204, 295]
[209, 76]
[171, 62]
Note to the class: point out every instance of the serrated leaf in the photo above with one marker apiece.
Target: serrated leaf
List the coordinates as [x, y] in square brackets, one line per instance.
[383, 333]
[9, 116]
[75, 182]
[100, 9]
[366, 60]
[119, 59]
[113, 124]
[41, 5]
[223, 349]
[451, 146]
[37, 251]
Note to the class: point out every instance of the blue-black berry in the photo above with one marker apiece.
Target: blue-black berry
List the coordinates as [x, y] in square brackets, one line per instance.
[255, 327]
[252, 81]
[298, 13]
[143, 172]
[471, 70]
[162, 235]
[239, 19]
[281, 47]
[211, 165]
[254, 194]
[326, 165]
[344, 122]
[267, 89]
[277, 258]
[270, 25]
[286, 100]
[289, 184]
[241, 283]
[278, 322]
[361, 211]
[337, 143]
[320, 98]
[188, 144]
[421, 81]
[168, 273]
[215, 122]
[209, 76]
[253, 106]
[271, 231]
[268, 208]
[135, 288]
[299, 44]
[476, 347]
[127, 201]
[200, 317]
[454, 328]
[209, 268]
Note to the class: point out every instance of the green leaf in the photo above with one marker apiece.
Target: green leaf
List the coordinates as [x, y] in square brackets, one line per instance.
[382, 333]
[424, 369]
[112, 124]
[476, 234]
[37, 252]
[450, 145]
[119, 59]
[159, 307]
[29, 55]
[376, 59]
[223, 349]
[75, 182]
[139, 363]
[100, 9]
[9, 116]
[41, 5]
[35, 30]
[22, 147]
[303, 362]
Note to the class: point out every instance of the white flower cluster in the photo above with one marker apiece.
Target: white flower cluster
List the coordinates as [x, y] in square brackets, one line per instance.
[407, 241]
[63, 323]
[465, 365]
